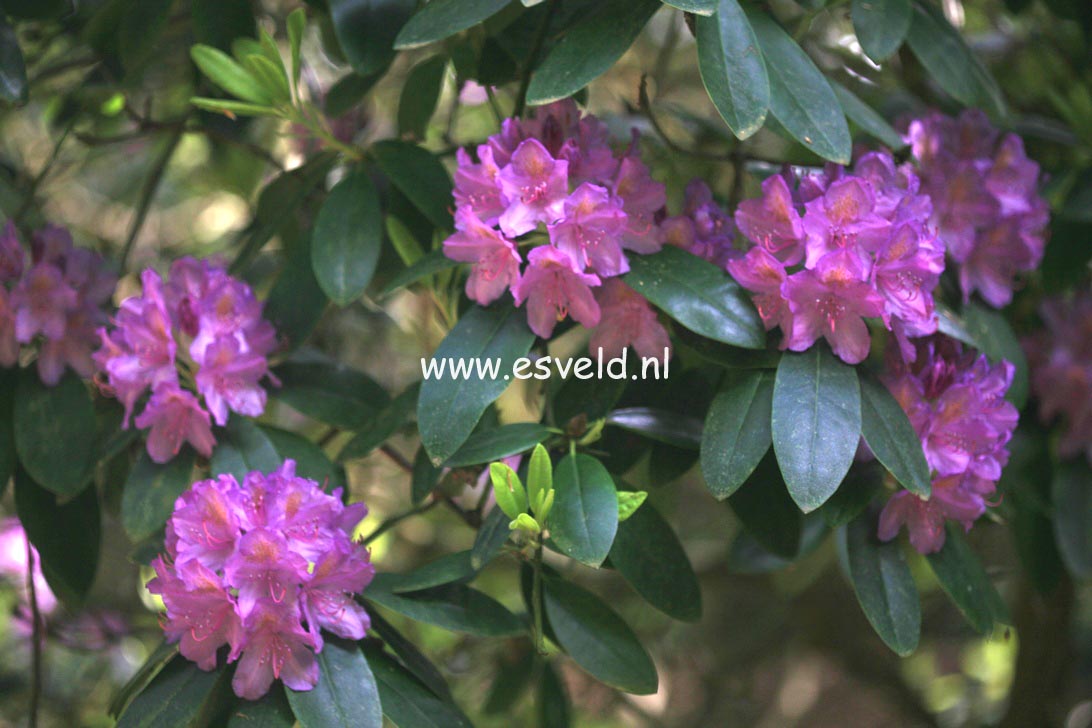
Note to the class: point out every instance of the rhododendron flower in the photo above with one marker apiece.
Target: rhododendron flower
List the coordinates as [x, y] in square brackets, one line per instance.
[554, 290]
[263, 568]
[642, 197]
[225, 342]
[843, 220]
[626, 319]
[14, 566]
[591, 231]
[955, 402]
[495, 259]
[535, 185]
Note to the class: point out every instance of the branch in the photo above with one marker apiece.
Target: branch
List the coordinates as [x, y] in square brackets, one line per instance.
[36, 637]
[146, 197]
[532, 59]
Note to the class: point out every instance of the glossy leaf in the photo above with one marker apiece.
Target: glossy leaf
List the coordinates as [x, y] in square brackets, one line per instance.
[47, 416]
[150, 492]
[455, 568]
[749, 556]
[661, 425]
[584, 518]
[1072, 497]
[414, 660]
[866, 117]
[732, 68]
[883, 583]
[420, 93]
[269, 711]
[311, 460]
[347, 238]
[595, 41]
[454, 607]
[174, 698]
[881, 26]
[432, 262]
[863, 482]
[330, 393]
[698, 7]
[508, 490]
[296, 302]
[440, 19]
[800, 97]
[407, 702]
[891, 436]
[698, 295]
[648, 554]
[383, 425]
[816, 423]
[418, 175]
[997, 341]
[13, 70]
[737, 430]
[766, 511]
[160, 657]
[497, 443]
[242, 447]
[540, 477]
[597, 638]
[490, 539]
[449, 407]
[424, 477]
[366, 30]
[346, 695]
[960, 573]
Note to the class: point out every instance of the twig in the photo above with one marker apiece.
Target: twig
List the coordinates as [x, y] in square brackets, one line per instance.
[40, 177]
[36, 636]
[398, 458]
[395, 520]
[532, 59]
[536, 596]
[146, 197]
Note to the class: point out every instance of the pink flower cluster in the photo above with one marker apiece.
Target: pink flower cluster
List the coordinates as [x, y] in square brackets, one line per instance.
[838, 248]
[1060, 357]
[956, 404]
[203, 328]
[704, 228]
[263, 568]
[986, 205]
[55, 298]
[553, 184]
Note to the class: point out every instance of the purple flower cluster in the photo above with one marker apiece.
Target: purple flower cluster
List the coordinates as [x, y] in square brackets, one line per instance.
[55, 298]
[838, 248]
[263, 568]
[956, 404]
[1060, 357]
[986, 205]
[704, 228]
[203, 328]
[552, 183]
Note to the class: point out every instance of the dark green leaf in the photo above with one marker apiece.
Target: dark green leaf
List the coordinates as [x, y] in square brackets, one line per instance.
[732, 68]
[450, 407]
[347, 93]
[311, 460]
[861, 485]
[960, 573]
[491, 537]
[269, 711]
[418, 175]
[584, 518]
[8, 459]
[144, 674]
[513, 675]
[414, 660]
[737, 430]
[13, 70]
[946, 57]
[1072, 495]
[424, 478]
[174, 698]
[648, 554]
[383, 425]
[407, 702]
[366, 30]
[139, 32]
[698, 295]
[865, 117]
[35, 9]
[661, 425]
[748, 556]
[296, 301]
[800, 97]
[698, 7]
[881, 26]
[766, 511]
[597, 638]
[591, 46]
[45, 417]
[997, 341]
[891, 437]
[552, 702]
[242, 447]
[420, 92]
[432, 262]
[347, 238]
[151, 490]
[330, 393]
[883, 583]
[218, 22]
[440, 19]
[346, 694]
[455, 607]
[453, 568]
[816, 423]
[497, 443]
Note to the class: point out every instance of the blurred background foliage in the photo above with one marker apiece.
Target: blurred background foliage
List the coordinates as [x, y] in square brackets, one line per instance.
[107, 144]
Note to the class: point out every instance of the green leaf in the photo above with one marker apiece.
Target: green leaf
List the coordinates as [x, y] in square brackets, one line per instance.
[552, 703]
[35, 9]
[243, 447]
[881, 26]
[330, 393]
[269, 711]
[491, 537]
[508, 490]
[414, 660]
[311, 460]
[883, 583]
[960, 573]
[383, 425]
[144, 674]
[453, 607]
[226, 73]
[661, 425]
[698, 7]
[891, 436]
[648, 554]
[347, 93]
[432, 262]
[347, 238]
[584, 518]
[139, 32]
[232, 109]
[407, 702]
[1072, 499]
[297, 25]
[174, 698]
[816, 423]
[949, 61]
[737, 430]
[45, 417]
[597, 638]
[865, 117]
[420, 93]
[8, 458]
[698, 295]
[589, 47]
[449, 406]
[732, 68]
[66, 535]
[766, 511]
[497, 443]
[296, 302]
[998, 342]
[629, 502]
[418, 175]
[151, 490]
[441, 19]
[13, 70]
[366, 30]
[405, 244]
[270, 74]
[424, 478]
[861, 485]
[346, 694]
[800, 97]
[540, 477]
[749, 556]
[453, 568]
